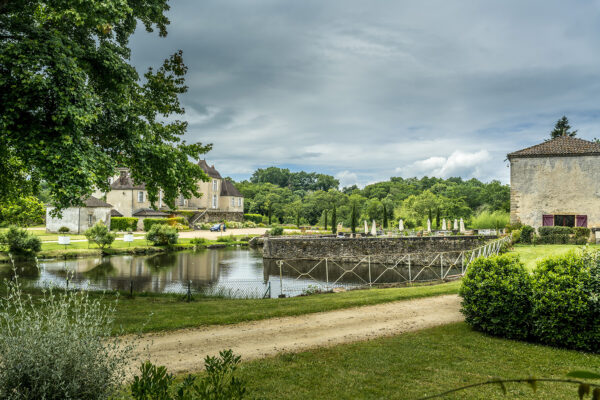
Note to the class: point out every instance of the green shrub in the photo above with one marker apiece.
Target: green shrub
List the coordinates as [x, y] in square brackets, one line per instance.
[100, 235]
[516, 236]
[59, 347]
[582, 235]
[496, 294]
[554, 230]
[276, 231]
[527, 234]
[123, 224]
[150, 222]
[25, 211]
[63, 229]
[205, 226]
[198, 242]
[566, 301]
[514, 227]
[256, 218]
[162, 235]
[218, 383]
[490, 220]
[19, 241]
[249, 224]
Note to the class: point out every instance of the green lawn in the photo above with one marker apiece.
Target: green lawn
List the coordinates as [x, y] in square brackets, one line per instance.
[414, 365]
[157, 313]
[531, 255]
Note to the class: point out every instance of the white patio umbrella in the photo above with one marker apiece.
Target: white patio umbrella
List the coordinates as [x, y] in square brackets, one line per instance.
[400, 225]
[428, 225]
[366, 227]
[373, 229]
[449, 226]
[462, 225]
[455, 224]
[443, 224]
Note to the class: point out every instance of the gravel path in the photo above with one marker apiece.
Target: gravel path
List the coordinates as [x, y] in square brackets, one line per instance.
[184, 350]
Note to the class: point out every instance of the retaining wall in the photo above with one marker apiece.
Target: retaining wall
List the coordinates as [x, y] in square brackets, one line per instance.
[354, 248]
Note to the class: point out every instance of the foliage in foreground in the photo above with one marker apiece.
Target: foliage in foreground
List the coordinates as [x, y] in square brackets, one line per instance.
[100, 235]
[558, 305]
[496, 294]
[24, 211]
[19, 241]
[219, 382]
[58, 347]
[162, 235]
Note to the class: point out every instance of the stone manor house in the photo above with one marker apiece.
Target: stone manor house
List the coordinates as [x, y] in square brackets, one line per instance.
[220, 200]
[556, 183]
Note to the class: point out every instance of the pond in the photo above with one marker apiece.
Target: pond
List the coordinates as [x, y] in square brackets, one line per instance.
[229, 272]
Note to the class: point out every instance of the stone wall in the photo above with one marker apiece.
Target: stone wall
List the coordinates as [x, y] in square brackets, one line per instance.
[77, 219]
[218, 216]
[556, 186]
[355, 248]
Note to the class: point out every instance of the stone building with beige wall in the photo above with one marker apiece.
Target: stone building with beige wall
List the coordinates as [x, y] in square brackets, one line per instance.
[556, 183]
[219, 199]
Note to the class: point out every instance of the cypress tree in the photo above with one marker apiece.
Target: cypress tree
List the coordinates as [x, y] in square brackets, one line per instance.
[333, 220]
[385, 217]
[353, 218]
[325, 215]
[298, 219]
[437, 219]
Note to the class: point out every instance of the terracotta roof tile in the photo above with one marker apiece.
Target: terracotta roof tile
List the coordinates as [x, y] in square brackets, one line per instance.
[124, 182]
[561, 146]
[148, 212]
[94, 202]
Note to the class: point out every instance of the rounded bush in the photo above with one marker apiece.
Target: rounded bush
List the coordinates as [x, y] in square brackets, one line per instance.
[496, 294]
[527, 234]
[19, 241]
[565, 301]
[162, 235]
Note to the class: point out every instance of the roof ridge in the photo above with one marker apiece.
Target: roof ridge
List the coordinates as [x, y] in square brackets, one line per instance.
[559, 146]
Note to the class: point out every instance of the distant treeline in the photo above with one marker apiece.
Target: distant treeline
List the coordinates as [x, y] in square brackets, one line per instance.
[310, 198]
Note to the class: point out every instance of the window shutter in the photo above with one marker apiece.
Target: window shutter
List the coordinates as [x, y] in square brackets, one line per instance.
[581, 220]
[548, 220]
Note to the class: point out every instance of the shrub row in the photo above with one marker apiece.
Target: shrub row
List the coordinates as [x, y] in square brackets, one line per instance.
[123, 224]
[149, 222]
[558, 305]
[552, 235]
[256, 218]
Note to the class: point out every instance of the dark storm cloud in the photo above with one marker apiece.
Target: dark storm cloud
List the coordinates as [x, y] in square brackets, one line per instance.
[368, 90]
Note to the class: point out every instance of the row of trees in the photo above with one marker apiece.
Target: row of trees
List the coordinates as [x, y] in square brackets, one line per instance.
[414, 200]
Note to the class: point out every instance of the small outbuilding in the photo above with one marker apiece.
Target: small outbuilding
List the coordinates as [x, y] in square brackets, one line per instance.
[79, 219]
[144, 213]
[556, 183]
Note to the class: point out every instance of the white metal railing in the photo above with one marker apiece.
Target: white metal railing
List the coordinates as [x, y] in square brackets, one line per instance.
[409, 267]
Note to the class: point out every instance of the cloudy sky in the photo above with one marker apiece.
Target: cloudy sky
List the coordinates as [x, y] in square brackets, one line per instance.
[366, 90]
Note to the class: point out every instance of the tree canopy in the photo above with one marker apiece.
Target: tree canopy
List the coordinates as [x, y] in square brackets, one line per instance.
[73, 108]
[562, 128]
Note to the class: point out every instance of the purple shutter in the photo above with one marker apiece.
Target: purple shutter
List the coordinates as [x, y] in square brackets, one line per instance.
[581, 220]
[548, 220]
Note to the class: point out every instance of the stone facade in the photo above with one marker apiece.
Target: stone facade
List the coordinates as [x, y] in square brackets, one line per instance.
[565, 185]
[355, 248]
[79, 219]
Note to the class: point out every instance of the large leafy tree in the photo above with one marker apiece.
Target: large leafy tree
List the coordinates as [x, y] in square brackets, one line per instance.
[72, 107]
[562, 128]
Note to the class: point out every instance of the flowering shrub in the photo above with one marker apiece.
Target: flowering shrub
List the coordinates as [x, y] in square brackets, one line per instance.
[58, 347]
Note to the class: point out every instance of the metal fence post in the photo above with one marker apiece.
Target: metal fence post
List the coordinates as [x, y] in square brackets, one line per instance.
[409, 273]
[370, 271]
[131, 288]
[280, 278]
[441, 265]
[326, 272]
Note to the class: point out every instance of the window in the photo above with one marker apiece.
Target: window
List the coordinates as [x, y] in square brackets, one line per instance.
[140, 197]
[233, 202]
[214, 204]
[239, 201]
[215, 185]
[90, 219]
[564, 220]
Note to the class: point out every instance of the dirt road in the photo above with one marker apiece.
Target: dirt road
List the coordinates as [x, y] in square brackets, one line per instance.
[184, 350]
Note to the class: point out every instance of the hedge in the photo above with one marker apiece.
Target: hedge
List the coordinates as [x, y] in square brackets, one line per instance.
[148, 222]
[123, 224]
[559, 305]
[256, 218]
[496, 294]
[563, 235]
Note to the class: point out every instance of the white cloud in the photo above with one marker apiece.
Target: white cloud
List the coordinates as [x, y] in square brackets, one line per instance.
[459, 163]
[347, 178]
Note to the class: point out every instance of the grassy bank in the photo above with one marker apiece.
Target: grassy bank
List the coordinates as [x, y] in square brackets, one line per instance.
[138, 246]
[158, 313]
[414, 365]
[531, 255]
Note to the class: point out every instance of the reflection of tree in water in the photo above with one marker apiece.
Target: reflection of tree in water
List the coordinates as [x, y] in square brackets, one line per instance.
[161, 261]
[100, 271]
[24, 269]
